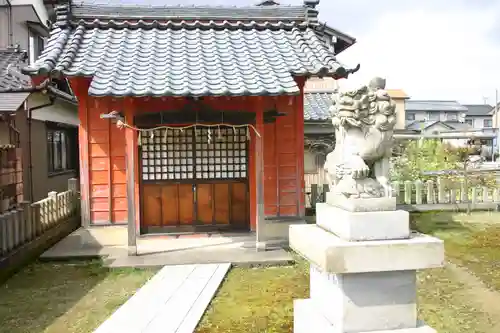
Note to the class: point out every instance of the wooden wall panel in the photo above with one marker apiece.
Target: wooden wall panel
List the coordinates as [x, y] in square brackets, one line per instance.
[170, 204]
[270, 170]
[283, 172]
[239, 205]
[204, 204]
[107, 167]
[221, 203]
[186, 205]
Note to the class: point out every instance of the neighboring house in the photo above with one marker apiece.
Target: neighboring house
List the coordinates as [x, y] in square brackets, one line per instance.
[43, 116]
[318, 131]
[427, 111]
[479, 116]
[248, 72]
[451, 121]
[400, 98]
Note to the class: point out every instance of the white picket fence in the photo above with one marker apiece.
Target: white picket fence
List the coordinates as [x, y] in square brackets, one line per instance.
[443, 194]
[439, 194]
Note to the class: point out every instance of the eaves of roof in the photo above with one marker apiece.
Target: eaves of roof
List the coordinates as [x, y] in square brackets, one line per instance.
[147, 57]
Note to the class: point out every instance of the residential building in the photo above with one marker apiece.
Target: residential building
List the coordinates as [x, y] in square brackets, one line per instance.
[318, 130]
[431, 111]
[432, 117]
[400, 98]
[230, 151]
[44, 115]
[479, 116]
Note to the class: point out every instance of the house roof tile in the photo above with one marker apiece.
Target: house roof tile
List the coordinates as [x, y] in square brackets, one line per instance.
[153, 57]
[317, 106]
[10, 61]
[478, 110]
[121, 10]
[431, 105]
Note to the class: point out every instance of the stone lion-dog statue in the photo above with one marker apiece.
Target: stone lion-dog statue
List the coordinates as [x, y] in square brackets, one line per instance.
[364, 121]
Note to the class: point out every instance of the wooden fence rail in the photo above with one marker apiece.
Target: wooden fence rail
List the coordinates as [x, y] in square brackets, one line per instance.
[439, 194]
[31, 221]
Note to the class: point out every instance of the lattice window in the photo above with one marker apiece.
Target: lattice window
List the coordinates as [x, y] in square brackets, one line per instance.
[224, 157]
[184, 155]
[168, 155]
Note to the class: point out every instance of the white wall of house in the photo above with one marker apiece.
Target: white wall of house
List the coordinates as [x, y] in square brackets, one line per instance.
[480, 122]
[433, 116]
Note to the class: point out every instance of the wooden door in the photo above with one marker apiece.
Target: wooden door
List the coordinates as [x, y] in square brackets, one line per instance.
[191, 183]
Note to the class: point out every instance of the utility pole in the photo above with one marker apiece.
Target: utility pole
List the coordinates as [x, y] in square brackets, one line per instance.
[495, 122]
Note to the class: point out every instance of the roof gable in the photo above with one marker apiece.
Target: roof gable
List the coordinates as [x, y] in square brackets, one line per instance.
[420, 125]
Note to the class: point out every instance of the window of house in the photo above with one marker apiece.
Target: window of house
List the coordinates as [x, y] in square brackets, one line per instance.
[433, 116]
[410, 116]
[61, 152]
[36, 45]
[487, 123]
[452, 116]
[469, 121]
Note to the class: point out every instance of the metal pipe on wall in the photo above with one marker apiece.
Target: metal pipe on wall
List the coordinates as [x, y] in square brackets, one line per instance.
[10, 33]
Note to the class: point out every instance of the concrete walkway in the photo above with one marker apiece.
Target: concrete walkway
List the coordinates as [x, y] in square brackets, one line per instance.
[173, 301]
[109, 243]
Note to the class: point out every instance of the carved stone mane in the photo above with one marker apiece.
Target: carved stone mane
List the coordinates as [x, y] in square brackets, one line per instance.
[364, 120]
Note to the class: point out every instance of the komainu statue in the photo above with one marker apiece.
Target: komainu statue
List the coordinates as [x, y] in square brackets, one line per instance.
[364, 120]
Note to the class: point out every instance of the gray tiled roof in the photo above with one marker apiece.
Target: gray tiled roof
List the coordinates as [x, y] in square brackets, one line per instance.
[429, 105]
[317, 106]
[180, 58]
[123, 10]
[478, 110]
[423, 124]
[11, 101]
[11, 60]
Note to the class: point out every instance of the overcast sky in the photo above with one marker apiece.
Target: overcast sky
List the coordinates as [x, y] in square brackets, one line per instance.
[432, 49]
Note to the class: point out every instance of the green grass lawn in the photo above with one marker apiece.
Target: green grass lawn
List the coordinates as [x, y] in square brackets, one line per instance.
[65, 297]
[77, 297]
[459, 298]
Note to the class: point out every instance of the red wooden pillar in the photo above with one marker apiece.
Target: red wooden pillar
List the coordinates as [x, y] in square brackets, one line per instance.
[131, 162]
[80, 88]
[299, 114]
[259, 173]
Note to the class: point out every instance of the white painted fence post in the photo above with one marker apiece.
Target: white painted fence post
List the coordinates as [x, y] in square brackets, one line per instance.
[396, 190]
[485, 194]
[418, 192]
[430, 192]
[441, 191]
[408, 192]
[474, 197]
[464, 191]
[52, 207]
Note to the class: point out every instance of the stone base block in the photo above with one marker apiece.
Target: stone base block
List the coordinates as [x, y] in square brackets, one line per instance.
[361, 205]
[334, 255]
[385, 300]
[363, 226]
[307, 320]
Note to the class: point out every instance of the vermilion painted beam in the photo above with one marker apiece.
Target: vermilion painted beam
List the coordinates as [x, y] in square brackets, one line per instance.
[132, 179]
[80, 88]
[259, 173]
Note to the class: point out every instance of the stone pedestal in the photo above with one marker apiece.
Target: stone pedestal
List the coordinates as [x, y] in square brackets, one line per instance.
[363, 270]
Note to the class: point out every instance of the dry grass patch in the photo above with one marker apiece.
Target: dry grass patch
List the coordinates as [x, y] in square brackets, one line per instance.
[65, 297]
